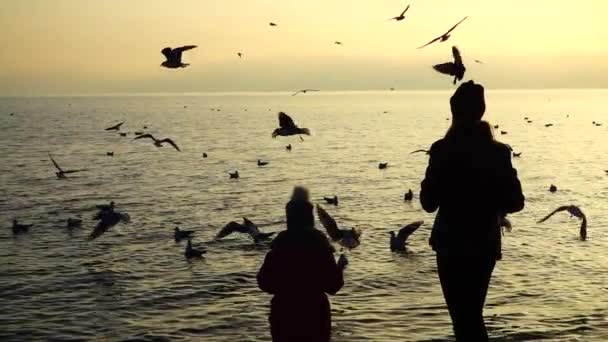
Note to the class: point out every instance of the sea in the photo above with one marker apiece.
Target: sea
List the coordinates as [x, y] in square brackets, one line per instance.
[134, 284]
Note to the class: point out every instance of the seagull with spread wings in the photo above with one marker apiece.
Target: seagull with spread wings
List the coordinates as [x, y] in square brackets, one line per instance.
[247, 227]
[107, 219]
[455, 68]
[61, 172]
[287, 127]
[174, 57]
[158, 143]
[444, 36]
[348, 238]
[421, 150]
[303, 91]
[402, 15]
[399, 240]
[575, 211]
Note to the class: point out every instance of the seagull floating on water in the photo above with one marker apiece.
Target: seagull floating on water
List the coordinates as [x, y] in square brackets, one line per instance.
[549, 125]
[399, 240]
[262, 163]
[455, 68]
[330, 200]
[552, 188]
[444, 36]
[179, 234]
[273, 24]
[105, 207]
[575, 211]
[348, 238]
[204, 155]
[123, 134]
[110, 154]
[19, 228]
[174, 57]
[247, 227]
[288, 147]
[402, 15]
[60, 172]
[74, 222]
[190, 252]
[234, 175]
[409, 196]
[240, 54]
[287, 127]
[115, 127]
[382, 166]
[158, 143]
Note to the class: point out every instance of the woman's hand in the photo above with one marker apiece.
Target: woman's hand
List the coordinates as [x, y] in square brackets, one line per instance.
[342, 262]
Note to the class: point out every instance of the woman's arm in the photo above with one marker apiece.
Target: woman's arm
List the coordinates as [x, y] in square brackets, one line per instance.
[332, 273]
[428, 189]
[267, 274]
[512, 195]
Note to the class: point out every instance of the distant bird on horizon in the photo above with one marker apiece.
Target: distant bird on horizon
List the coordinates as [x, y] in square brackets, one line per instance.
[204, 155]
[575, 211]
[19, 228]
[408, 196]
[552, 188]
[399, 240]
[240, 54]
[288, 147]
[179, 234]
[158, 143]
[331, 200]
[107, 219]
[402, 15]
[456, 68]
[262, 163]
[191, 252]
[273, 24]
[174, 57]
[73, 222]
[348, 238]
[444, 36]
[479, 62]
[549, 125]
[421, 150]
[338, 42]
[61, 174]
[115, 127]
[382, 166]
[234, 175]
[287, 127]
[504, 132]
[123, 134]
[303, 91]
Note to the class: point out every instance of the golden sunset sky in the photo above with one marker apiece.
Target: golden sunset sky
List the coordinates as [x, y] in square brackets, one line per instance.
[86, 46]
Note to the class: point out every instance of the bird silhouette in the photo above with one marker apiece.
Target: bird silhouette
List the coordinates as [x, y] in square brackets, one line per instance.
[179, 234]
[262, 163]
[338, 42]
[303, 91]
[19, 228]
[110, 154]
[455, 68]
[288, 147]
[273, 24]
[331, 200]
[382, 166]
[247, 227]
[399, 240]
[549, 125]
[504, 132]
[123, 134]
[105, 207]
[240, 54]
[158, 143]
[348, 238]
[575, 211]
[107, 219]
[516, 155]
[552, 188]
[287, 127]
[234, 175]
[191, 252]
[115, 127]
[61, 174]
[408, 196]
[444, 36]
[204, 155]
[174, 57]
[402, 15]
[421, 150]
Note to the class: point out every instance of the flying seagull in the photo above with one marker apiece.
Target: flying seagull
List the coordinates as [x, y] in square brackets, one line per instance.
[273, 24]
[575, 211]
[287, 127]
[399, 240]
[247, 227]
[174, 57]
[179, 234]
[444, 36]
[455, 68]
[157, 143]
[421, 150]
[115, 127]
[190, 252]
[402, 15]
[303, 91]
[107, 219]
[20, 228]
[338, 42]
[60, 172]
[348, 238]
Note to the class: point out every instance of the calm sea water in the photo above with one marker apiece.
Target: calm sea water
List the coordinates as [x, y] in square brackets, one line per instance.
[133, 283]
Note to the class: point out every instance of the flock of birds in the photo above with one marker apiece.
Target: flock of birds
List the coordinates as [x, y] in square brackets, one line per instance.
[107, 215]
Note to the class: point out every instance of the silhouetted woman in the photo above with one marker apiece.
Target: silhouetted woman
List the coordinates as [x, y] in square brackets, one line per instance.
[299, 270]
[471, 181]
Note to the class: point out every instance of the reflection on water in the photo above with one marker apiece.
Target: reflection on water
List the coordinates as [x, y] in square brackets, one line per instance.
[134, 283]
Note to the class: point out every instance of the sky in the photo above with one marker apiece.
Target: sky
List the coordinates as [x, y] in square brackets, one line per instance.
[53, 47]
